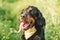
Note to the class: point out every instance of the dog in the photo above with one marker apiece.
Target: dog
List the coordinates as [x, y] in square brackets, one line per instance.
[36, 22]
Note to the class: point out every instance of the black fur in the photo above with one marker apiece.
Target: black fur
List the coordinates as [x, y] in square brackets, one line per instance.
[39, 23]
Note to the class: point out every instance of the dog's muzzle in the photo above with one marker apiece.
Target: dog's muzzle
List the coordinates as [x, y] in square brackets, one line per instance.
[23, 15]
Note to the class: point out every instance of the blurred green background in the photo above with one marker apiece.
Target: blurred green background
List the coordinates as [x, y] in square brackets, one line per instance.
[10, 12]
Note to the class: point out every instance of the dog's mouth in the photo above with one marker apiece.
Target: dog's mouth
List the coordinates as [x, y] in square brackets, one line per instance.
[24, 21]
[25, 25]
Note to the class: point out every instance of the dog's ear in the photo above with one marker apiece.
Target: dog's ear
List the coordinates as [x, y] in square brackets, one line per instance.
[40, 19]
[41, 22]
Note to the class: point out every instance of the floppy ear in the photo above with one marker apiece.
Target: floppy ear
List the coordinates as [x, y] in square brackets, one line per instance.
[40, 19]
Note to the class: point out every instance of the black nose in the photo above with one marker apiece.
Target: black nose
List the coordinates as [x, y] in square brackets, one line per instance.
[23, 16]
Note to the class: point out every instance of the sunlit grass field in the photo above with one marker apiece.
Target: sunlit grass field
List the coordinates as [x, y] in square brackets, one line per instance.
[10, 11]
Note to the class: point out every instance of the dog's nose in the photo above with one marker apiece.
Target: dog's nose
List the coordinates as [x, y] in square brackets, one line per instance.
[23, 16]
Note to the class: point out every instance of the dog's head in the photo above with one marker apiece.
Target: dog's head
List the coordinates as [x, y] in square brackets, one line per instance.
[32, 15]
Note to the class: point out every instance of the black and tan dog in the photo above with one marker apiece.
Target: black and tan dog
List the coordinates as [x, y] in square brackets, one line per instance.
[36, 23]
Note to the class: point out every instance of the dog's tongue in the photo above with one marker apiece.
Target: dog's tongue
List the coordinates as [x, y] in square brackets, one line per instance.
[25, 24]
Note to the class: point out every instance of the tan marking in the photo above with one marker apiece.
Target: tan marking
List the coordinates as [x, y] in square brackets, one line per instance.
[30, 9]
